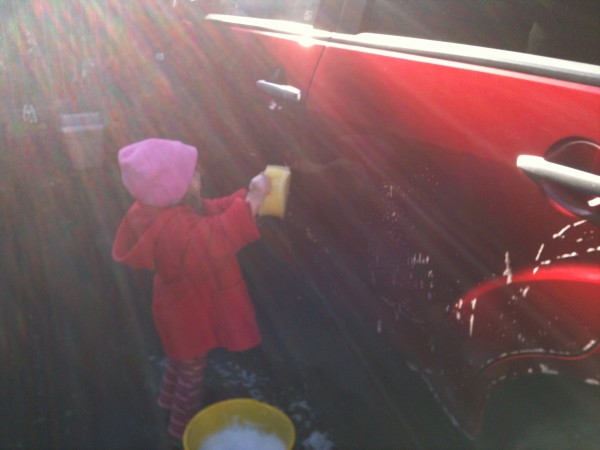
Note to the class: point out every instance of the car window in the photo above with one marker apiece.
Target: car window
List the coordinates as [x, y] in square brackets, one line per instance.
[566, 29]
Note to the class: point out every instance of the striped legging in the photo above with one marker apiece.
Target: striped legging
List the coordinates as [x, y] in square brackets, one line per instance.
[181, 392]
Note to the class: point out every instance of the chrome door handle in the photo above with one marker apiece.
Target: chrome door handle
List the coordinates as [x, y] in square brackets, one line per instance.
[537, 167]
[281, 91]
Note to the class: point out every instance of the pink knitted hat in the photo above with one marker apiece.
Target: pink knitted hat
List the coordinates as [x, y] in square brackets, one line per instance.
[157, 172]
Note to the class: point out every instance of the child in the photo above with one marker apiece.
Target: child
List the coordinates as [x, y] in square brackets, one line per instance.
[200, 300]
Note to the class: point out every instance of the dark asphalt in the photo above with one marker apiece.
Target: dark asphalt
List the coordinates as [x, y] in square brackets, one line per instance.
[81, 363]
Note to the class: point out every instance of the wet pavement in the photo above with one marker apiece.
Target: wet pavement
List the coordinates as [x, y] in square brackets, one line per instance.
[81, 363]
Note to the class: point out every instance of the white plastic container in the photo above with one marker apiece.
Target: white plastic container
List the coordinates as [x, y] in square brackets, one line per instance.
[83, 136]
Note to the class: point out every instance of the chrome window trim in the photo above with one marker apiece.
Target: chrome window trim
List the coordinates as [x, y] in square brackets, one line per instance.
[559, 69]
[270, 25]
[555, 68]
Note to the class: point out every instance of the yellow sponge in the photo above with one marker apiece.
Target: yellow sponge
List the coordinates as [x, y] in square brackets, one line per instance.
[274, 204]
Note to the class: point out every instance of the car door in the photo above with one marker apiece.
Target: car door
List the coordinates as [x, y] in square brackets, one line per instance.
[450, 110]
[262, 58]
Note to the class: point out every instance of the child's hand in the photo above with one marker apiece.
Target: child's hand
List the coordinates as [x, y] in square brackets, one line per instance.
[260, 185]
[259, 188]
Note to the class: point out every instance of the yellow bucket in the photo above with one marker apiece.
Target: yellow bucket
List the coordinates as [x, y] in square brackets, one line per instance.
[274, 204]
[239, 411]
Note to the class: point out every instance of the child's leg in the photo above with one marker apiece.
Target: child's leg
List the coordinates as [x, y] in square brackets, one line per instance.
[188, 393]
[167, 391]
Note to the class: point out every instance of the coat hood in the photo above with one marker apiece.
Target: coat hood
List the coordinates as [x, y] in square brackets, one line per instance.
[138, 235]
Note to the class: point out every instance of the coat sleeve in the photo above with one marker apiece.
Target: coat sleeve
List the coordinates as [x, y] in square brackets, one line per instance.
[215, 240]
[219, 205]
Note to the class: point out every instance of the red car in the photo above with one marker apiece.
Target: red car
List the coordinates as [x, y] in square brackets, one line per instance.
[445, 188]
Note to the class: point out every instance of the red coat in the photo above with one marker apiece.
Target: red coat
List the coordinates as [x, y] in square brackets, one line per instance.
[200, 300]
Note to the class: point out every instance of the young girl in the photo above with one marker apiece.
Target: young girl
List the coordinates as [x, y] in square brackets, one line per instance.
[200, 300]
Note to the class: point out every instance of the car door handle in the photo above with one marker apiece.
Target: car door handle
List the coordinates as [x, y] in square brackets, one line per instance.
[537, 168]
[281, 91]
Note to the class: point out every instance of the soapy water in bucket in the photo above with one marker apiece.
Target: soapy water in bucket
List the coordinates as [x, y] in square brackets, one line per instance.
[239, 424]
[242, 437]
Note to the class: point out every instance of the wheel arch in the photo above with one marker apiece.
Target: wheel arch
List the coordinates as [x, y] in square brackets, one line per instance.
[526, 411]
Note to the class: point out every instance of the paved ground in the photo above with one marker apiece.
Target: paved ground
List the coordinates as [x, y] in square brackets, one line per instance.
[81, 363]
